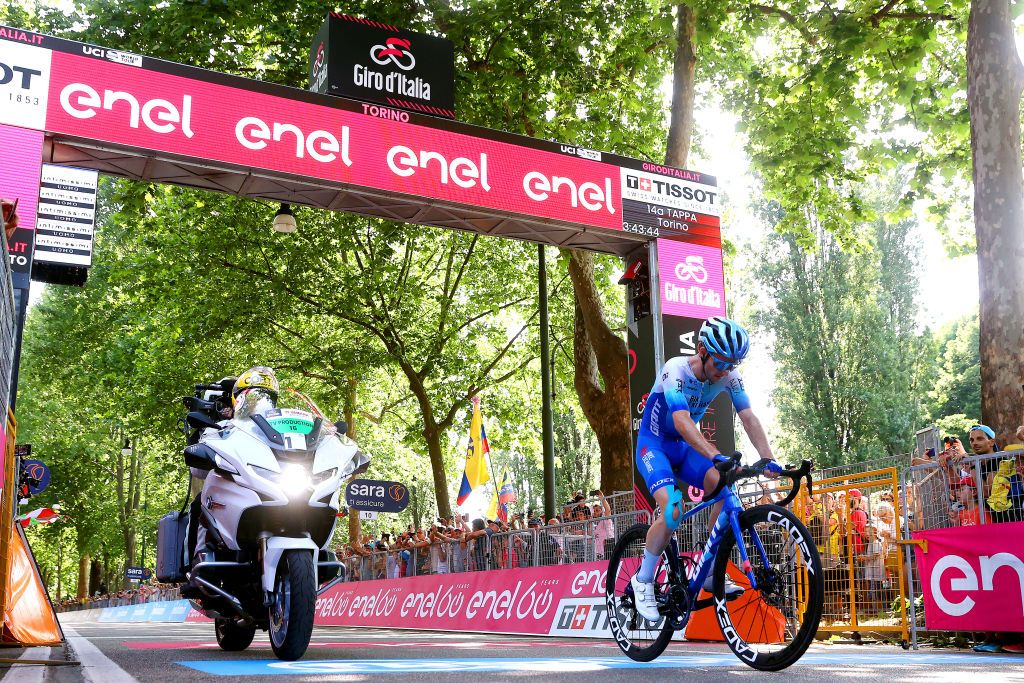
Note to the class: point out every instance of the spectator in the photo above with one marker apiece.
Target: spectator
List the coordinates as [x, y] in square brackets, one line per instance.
[604, 531]
[872, 571]
[884, 521]
[481, 539]
[983, 442]
[420, 546]
[858, 521]
[1005, 489]
[952, 462]
[968, 513]
[439, 549]
[453, 547]
[548, 552]
[928, 457]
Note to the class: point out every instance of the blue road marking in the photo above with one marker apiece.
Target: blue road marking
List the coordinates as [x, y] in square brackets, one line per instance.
[559, 664]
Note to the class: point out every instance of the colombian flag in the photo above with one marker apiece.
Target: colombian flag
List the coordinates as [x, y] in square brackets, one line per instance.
[506, 495]
[475, 474]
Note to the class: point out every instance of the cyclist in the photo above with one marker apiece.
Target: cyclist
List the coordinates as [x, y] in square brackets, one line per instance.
[670, 445]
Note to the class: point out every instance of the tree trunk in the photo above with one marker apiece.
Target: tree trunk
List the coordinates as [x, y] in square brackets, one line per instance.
[598, 351]
[683, 81]
[602, 380]
[83, 576]
[95, 577]
[995, 78]
[433, 437]
[351, 403]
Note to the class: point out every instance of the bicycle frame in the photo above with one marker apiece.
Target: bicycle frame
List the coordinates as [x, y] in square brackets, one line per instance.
[729, 517]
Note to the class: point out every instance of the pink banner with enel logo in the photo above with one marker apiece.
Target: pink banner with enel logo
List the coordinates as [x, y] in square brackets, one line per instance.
[973, 577]
[566, 600]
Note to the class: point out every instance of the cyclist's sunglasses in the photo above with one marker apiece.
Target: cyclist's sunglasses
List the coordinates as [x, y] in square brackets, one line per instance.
[724, 363]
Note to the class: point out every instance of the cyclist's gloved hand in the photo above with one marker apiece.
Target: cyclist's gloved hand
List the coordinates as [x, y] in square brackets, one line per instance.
[724, 463]
[770, 467]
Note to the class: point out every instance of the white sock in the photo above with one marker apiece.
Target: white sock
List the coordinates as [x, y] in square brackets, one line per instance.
[647, 567]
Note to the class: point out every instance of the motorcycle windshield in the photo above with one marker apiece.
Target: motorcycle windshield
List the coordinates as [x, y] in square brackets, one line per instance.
[292, 415]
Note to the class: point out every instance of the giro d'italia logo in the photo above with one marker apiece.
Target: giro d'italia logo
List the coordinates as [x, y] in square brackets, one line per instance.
[394, 51]
[692, 269]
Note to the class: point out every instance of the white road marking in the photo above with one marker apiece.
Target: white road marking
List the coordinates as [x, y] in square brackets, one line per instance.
[96, 666]
[29, 673]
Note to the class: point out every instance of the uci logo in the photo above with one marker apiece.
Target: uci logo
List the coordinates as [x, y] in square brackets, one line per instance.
[394, 51]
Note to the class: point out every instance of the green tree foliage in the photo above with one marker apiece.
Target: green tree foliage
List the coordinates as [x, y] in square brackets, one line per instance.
[956, 388]
[846, 344]
[831, 95]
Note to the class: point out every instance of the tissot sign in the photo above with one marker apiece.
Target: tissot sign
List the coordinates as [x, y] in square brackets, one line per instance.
[375, 62]
[135, 102]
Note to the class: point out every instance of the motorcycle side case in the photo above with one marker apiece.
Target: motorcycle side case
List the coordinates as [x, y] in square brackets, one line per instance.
[171, 533]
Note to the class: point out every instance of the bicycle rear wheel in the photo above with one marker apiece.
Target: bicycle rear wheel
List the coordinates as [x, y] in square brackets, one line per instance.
[640, 639]
[770, 628]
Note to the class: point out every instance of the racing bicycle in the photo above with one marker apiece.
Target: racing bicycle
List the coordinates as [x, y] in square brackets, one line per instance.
[765, 549]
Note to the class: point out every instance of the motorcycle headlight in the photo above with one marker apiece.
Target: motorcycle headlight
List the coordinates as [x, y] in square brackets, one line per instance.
[294, 479]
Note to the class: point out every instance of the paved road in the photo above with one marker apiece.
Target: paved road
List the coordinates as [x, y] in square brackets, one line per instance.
[122, 653]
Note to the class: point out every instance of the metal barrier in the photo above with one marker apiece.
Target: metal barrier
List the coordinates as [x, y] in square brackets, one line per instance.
[858, 538]
[974, 490]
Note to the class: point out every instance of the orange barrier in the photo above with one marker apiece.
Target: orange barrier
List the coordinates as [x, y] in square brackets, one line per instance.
[757, 626]
[29, 618]
[8, 485]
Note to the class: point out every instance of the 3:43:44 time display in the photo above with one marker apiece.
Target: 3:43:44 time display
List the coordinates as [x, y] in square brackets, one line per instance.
[640, 229]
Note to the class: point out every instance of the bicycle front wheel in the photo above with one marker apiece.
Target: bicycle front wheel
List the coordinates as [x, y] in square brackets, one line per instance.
[641, 640]
[771, 627]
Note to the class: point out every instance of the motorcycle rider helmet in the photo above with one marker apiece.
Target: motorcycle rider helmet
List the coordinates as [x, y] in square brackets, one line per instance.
[725, 341]
[259, 379]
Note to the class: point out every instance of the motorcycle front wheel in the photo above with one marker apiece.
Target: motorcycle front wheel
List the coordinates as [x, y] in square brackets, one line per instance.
[291, 612]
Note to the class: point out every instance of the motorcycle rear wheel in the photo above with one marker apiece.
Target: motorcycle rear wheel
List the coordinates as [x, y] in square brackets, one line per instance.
[232, 636]
[291, 613]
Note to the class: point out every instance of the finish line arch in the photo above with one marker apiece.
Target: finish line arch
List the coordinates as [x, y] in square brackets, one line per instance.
[78, 105]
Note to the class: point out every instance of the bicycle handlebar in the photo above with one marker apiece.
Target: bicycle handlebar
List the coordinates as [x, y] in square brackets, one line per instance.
[730, 471]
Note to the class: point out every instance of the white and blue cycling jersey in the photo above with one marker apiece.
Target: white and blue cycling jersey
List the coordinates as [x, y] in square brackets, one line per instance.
[661, 452]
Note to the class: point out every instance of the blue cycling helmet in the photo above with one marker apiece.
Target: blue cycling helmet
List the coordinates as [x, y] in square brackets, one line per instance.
[725, 339]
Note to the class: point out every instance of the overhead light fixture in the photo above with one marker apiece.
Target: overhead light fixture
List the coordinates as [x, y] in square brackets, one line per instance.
[284, 219]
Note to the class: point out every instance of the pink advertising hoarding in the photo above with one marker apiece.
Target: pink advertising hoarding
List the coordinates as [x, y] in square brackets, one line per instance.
[536, 601]
[22, 153]
[973, 577]
[82, 92]
[691, 278]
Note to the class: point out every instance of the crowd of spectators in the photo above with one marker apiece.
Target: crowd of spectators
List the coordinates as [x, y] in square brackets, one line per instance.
[583, 531]
[151, 591]
[985, 486]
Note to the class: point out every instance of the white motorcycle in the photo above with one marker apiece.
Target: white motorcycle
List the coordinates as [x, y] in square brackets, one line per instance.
[268, 510]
